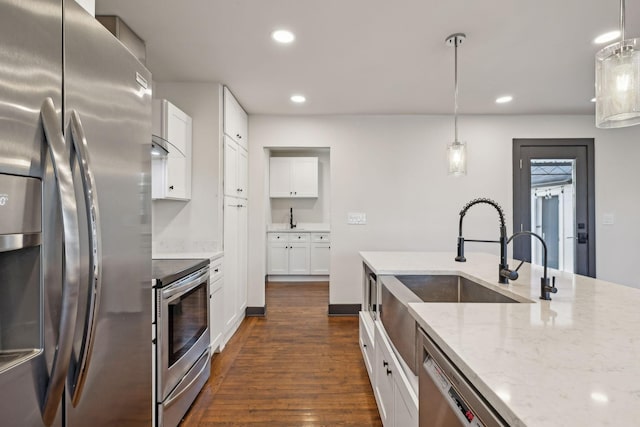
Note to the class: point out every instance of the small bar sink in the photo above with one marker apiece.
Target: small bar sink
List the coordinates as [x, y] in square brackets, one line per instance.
[431, 288]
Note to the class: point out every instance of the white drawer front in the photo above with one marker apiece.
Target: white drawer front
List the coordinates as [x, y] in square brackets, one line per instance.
[320, 237]
[278, 237]
[299, 237]
[215, 270]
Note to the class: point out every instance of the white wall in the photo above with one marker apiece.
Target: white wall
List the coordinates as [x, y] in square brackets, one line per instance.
[194, 226]
[88, 5]
[314, 210]
[393, 168]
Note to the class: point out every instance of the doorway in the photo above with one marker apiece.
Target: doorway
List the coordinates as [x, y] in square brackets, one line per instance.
[554, 196]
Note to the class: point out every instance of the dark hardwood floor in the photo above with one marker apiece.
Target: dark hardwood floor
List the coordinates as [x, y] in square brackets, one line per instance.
[294, 367]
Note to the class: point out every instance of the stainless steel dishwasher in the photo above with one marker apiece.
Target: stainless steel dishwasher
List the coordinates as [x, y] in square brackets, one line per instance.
[447, 399]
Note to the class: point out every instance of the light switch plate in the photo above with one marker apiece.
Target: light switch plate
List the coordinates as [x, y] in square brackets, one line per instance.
[608, 219]
[356, 218]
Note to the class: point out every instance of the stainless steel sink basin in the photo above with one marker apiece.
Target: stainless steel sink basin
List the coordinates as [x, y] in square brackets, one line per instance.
[451, 289]
[398, 291]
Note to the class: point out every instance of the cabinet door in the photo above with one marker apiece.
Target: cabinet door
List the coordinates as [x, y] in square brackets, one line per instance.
[242, 257]
[320, 258]
[278, 258]
[177, 170]
[383, 382]
[231, 263]
[216, 317]
[405, 407]
[243, 173]
[280, 177]
[299, 254]
[304, 176]
[178, 128]
[230, 124]
[231, 161]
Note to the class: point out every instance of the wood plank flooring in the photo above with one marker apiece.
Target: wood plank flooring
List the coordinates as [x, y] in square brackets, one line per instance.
[294, 367]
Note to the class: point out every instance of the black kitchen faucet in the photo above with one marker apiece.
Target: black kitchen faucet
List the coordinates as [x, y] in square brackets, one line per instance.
[504, 274]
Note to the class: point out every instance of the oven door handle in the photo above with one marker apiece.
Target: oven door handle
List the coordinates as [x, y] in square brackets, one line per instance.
[181, 388]
[185, 285]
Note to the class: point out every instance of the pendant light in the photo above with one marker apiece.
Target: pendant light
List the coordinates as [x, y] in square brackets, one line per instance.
[456, 151]
[618, 81]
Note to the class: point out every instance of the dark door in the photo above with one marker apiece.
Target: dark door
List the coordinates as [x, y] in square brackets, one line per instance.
[579, 153]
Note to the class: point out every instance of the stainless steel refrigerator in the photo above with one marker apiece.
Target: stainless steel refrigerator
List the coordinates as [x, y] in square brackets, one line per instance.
[75, 232]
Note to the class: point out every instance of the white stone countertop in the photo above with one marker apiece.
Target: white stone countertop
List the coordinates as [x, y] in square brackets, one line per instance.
[572, 361]
[188, 255]
[300, 228]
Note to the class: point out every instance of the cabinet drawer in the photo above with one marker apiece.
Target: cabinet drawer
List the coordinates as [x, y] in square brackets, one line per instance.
[278, 237]
[215, 270]
[320, 237]
[299, 237]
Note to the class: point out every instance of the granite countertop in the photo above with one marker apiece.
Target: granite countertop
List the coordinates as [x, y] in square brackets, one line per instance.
[570, 361]
[167, 271]
[300, 228]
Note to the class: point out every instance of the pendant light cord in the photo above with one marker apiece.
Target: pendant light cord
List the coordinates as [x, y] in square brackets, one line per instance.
[455, 96]
[622, 22]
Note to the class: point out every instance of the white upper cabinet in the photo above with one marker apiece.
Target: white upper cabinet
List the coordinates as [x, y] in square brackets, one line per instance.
[293, 177]
[236, 169]
[171, 176]
[235, 120]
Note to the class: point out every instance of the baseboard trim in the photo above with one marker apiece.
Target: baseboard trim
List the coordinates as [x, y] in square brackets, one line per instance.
[282, 278]
[344, 309]
[256, 311]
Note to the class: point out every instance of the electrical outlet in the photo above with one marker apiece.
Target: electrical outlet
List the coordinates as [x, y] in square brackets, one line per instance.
[356, 218]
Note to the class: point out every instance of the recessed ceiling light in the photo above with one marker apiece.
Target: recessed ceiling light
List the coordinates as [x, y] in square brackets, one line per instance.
[593, 99]
[283, 36]
[504, 99]
[607, 37]
[298, 99]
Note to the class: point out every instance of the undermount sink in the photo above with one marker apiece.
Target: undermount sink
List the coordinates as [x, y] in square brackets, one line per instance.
[432, 288]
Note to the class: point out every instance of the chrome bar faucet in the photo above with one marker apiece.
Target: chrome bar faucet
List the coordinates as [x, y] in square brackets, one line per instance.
[504, 274]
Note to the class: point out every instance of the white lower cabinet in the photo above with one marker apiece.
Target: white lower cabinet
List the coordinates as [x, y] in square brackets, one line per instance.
[235, 264]
[216, 312]
[397, 400]
[298, 253]
[367, 344]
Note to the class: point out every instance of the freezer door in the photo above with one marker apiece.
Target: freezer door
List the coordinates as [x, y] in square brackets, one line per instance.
[30, 72]
[108, 112]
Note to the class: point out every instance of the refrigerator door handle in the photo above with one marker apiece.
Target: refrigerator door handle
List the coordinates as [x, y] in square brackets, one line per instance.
[71, 260]
[78, 373]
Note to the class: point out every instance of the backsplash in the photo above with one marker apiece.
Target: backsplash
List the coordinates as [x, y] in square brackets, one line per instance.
[184, 245]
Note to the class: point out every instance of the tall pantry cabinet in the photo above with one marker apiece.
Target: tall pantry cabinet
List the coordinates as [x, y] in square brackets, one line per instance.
[235, 213]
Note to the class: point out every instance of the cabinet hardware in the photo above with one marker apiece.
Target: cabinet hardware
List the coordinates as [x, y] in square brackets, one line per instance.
[171, 187]
[388, 371]
[385, 363]
[216, 270]
[364, 345]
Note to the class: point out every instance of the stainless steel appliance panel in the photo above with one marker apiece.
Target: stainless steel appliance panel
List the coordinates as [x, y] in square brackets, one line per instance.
[30, 72]
[178, 402]
[108, 111]
[446, 398]
[20, 205]
[183, 328]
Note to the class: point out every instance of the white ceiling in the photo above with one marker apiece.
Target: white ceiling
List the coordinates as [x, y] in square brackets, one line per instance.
[381, 56]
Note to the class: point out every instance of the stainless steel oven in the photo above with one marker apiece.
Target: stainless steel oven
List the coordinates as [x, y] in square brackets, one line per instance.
[183, 344]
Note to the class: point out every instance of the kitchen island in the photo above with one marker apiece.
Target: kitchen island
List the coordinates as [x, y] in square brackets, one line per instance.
[570, 361]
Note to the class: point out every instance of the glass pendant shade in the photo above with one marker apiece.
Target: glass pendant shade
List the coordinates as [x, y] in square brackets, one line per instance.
[618, 84]
[457, 154]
